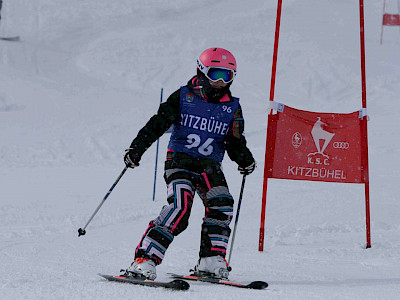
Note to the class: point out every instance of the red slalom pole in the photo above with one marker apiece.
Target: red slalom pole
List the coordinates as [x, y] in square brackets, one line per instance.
[271, 98]
[364, 125]
[275, 55]
[362, 47]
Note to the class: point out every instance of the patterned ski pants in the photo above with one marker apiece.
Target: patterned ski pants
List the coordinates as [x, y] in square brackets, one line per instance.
[209, 182]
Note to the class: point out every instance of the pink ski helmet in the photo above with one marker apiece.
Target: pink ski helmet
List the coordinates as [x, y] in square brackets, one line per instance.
[217, 64]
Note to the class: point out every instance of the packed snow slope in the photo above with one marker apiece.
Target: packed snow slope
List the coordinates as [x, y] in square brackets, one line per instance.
[87, 75]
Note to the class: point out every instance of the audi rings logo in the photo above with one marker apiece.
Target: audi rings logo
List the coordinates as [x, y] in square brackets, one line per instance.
[341, 145]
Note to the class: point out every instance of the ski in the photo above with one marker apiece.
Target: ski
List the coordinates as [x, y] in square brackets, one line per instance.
[177, 284]
[255, 285]
[10, 39]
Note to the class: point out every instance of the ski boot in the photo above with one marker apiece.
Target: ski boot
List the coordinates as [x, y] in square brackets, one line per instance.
[142, 268]
[215, 266]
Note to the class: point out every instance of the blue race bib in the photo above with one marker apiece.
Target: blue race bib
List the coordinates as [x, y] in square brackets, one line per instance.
[203, 126]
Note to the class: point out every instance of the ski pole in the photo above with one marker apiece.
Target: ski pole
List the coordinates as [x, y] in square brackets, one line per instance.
[236, 221]
[1, 5]
[158, 143]
[82, 231]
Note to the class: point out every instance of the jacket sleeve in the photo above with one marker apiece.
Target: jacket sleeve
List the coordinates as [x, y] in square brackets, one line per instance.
[235, 142]
[168, 114]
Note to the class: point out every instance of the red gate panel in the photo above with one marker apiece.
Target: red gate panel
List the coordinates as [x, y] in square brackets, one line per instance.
[391, 20]
[303, 145]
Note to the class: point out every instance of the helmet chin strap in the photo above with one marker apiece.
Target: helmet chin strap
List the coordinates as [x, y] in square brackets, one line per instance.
[201, 88]
[214, 94]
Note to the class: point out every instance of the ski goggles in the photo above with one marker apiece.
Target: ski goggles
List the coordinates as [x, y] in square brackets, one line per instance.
[217, 73]
[224, 74]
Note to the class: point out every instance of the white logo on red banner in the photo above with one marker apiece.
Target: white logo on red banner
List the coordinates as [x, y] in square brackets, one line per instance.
[296, 140]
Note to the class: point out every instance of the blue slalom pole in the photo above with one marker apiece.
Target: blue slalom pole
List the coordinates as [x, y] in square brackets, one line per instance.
[155, 169]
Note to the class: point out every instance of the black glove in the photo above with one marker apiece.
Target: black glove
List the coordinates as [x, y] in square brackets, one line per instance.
[131, 158]
[247, 170]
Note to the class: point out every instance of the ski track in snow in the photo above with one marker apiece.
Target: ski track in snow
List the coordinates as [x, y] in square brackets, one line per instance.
[87, 75]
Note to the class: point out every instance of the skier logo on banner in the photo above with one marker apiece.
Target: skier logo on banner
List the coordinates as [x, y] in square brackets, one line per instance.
[320, 135]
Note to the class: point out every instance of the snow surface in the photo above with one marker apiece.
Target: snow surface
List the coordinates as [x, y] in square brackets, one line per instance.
[87, 76]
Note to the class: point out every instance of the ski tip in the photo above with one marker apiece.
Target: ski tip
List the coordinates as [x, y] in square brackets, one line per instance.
[177, 285]
[258, 285]
[180, 285]
[10, 39]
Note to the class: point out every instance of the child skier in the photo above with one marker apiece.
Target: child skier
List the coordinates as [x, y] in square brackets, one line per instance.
[207, 120]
